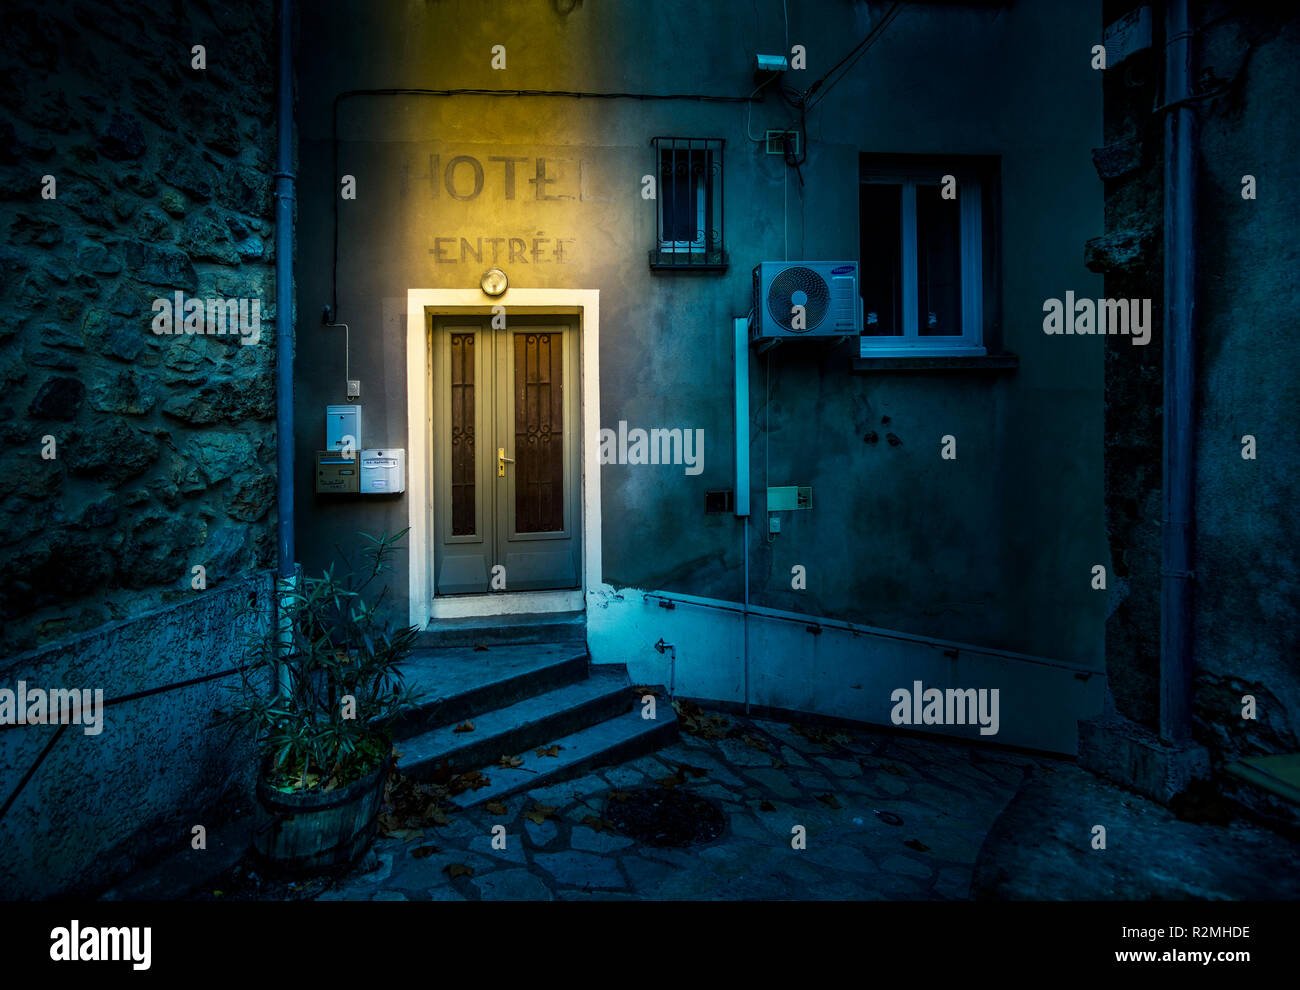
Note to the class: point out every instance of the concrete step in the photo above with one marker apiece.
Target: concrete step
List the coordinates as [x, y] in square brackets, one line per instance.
[461, 682]
[489, 630]
[621, 737]
[516, 729]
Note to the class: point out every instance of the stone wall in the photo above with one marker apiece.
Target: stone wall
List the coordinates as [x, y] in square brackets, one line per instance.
[1131, 256]
[1247, 611]
[163, 445]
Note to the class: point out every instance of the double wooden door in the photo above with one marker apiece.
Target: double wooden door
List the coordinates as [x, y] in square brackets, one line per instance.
[506, 470]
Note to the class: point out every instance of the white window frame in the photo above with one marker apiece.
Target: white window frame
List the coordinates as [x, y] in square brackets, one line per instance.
[970, 235]
[688, 247]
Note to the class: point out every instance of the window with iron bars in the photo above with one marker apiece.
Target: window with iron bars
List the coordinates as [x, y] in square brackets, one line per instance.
[688, 177]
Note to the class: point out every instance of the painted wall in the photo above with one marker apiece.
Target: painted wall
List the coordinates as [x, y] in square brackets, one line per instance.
[994, 548]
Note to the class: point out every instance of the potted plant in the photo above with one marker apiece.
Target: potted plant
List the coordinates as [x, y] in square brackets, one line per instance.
[320, 689]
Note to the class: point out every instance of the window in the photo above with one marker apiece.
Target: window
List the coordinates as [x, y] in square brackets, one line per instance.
[922, 278]
[688, 177]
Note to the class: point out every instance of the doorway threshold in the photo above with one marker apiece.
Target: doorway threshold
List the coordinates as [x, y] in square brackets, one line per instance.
[507, 604]
[515, 628]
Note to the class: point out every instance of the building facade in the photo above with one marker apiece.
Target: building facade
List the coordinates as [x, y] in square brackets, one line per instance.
[952, 451]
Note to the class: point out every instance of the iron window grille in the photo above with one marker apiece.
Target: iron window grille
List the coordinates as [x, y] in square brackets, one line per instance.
[688, 177]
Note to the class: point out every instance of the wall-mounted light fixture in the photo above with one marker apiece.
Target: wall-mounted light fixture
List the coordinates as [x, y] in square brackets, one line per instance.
[494, 282]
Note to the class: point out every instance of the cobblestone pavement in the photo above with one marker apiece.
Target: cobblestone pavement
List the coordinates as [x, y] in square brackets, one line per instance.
[887, 817]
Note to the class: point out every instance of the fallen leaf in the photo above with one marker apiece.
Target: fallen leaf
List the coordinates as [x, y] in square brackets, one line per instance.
[917, 844]
[828, 738]
[423, 852]
[468, 781]
[596, 824]
[889, 818]
[510, 762]
[538, 813]
[442, 773]
[754, 742]
[670, 782]
[777, 764]
[829, 800]
[464, 727]
[896, 771]
[408, 834]
[767, 806]
[437, 817]
[549, 750]
[480, 648]
[692, 771]
[640, 690]
[694, 722]
[495, 808]
[455, 870]
[218, 893]
[619, 796]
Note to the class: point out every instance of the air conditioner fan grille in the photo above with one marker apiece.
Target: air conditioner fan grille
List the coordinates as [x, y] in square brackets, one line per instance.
[815, 297]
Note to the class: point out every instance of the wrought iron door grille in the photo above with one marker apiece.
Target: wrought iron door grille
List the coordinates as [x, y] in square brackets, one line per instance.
[688, 180]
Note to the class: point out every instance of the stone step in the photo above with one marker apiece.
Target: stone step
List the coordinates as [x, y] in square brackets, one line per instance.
[621, 737]
[489, 630]
[516, 729]
[461, 682]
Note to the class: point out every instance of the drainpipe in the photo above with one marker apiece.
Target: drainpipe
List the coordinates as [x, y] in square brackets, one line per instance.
[745, 619]
[284, 181]
[1178, 456]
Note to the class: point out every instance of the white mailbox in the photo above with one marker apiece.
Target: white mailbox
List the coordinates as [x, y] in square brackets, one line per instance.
[342, 427]
[383, 471]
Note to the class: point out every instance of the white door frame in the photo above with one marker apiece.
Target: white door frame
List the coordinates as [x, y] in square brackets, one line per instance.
[420, 305]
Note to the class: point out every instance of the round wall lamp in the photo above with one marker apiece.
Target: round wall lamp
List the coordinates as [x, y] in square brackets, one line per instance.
[494, 282]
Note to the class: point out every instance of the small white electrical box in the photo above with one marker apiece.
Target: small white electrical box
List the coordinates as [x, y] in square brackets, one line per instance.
[343, 427]
[383, 471]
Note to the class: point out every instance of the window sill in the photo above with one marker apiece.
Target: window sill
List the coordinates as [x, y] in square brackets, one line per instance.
[685, 261]
[994, 363]
[688, 268]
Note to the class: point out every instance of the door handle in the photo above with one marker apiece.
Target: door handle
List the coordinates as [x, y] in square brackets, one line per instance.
[502, 460]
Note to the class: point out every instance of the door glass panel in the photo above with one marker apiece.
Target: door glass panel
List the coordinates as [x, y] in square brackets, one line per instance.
[539, 433]
[462, 434]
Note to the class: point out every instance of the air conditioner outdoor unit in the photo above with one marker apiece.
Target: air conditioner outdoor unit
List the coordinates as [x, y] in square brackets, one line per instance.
[805, 299]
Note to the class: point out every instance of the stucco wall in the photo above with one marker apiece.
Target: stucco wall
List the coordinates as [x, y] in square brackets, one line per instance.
[99, 805]
[1248, 574]
[994, 548]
